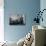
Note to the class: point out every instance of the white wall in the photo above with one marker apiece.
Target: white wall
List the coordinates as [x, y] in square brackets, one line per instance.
[43, 6]
[1, 21]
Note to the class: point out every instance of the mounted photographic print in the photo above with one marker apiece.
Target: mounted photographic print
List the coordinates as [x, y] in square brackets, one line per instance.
[17, 20]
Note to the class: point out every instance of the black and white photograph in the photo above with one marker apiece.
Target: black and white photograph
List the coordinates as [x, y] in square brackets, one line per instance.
[17, 20]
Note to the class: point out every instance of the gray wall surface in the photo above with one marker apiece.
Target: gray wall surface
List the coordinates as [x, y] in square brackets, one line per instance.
[13, 7]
